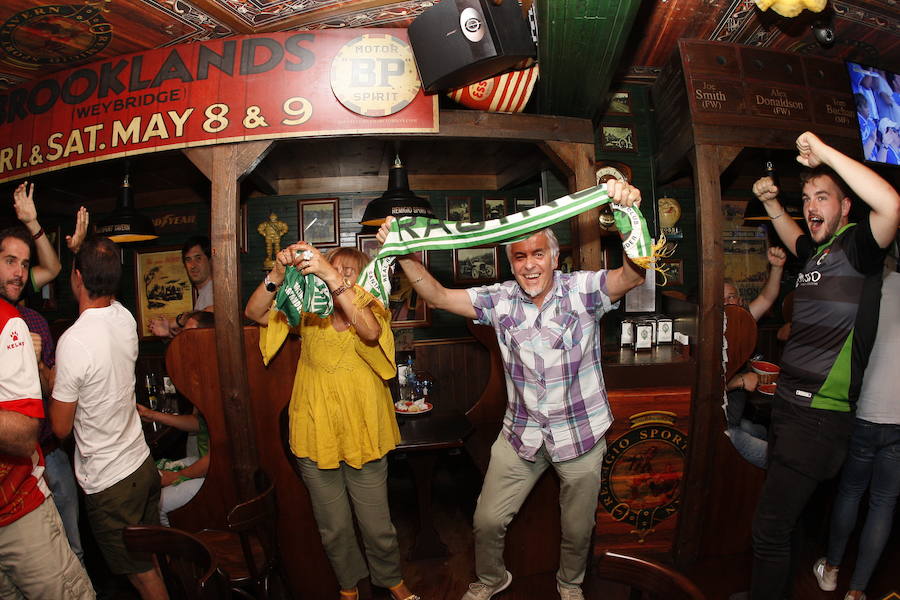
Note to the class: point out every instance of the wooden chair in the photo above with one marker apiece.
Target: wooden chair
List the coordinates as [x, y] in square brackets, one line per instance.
[648, 579]
[248, 551]
[187, 564]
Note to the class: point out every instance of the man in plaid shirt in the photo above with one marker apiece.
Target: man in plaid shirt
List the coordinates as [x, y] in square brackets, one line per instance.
[547, 324]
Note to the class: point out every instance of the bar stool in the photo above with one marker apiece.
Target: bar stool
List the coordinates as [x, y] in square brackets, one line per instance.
[648, 579]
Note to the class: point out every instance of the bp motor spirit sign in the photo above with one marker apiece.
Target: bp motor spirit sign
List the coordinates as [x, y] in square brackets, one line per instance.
[336, 82]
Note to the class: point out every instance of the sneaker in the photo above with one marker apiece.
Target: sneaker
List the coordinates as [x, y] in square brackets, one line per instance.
[480, 591]
[827, 578]
[569, 593]
[848, 596]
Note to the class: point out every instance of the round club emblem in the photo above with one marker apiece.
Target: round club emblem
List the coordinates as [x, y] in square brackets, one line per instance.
[471, 24]
[54, 35]
[375, 75]
[641, 475]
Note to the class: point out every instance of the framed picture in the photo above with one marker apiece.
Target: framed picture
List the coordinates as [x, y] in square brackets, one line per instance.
[459, 208]
[368, 244]
[475, 265]
[617, 138]
[407, 308]
[619, 103]
[494, 208]
[566, 259]
[674, 270]
[318, 221]
[525, 203]
[161, 286]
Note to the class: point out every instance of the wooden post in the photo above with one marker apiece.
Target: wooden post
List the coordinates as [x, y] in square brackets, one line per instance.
[706, 413]
[577, 163]
[225, 165]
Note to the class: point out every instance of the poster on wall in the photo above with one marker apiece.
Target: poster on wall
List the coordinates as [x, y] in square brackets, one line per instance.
[161, 286]
[744, 250]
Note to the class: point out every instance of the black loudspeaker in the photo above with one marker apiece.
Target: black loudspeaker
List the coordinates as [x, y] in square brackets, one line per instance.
[458, 42]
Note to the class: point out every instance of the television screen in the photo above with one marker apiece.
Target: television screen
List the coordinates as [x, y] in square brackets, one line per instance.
[877, 96]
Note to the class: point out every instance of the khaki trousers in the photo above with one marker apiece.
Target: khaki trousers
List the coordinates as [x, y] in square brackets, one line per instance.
[367, 487]
[508, 482]
[36, 560]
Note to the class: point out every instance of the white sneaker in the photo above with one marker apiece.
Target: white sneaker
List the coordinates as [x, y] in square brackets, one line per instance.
[569, 593]
[480, 591]
[827, 578]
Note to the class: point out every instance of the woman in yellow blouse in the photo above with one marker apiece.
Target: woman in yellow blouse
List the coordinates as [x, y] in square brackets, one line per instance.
[342, 422]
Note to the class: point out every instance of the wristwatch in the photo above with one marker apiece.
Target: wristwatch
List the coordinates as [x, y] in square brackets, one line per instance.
[271, 286]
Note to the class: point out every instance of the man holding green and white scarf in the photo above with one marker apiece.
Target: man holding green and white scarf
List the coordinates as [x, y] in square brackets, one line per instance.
[548, 327]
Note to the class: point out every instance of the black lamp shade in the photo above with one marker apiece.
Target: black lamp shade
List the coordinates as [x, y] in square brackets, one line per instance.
[397, 201]
[125, 224]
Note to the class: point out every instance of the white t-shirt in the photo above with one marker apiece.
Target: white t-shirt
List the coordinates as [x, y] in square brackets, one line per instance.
[95, 366]
[878, 397]
[204, 296]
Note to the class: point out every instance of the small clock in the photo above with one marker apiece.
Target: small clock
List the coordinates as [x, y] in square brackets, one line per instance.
[612, 170]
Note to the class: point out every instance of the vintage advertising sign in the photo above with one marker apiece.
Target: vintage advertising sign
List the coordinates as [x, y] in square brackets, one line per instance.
[243, 88]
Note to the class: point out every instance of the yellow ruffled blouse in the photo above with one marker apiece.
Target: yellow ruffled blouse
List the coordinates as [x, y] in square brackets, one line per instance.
[341, 408]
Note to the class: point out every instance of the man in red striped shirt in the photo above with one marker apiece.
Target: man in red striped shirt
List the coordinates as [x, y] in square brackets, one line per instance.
[36, 559]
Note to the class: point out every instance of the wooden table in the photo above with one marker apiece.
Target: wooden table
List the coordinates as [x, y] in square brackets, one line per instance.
[422, 438]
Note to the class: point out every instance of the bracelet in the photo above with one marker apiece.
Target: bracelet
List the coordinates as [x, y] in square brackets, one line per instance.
[778, 216]
[416, 281]
[742, 382]
[38, 235]
[344, 287]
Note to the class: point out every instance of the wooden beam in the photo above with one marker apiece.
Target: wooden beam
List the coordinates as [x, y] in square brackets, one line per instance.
[576, 161]
[727, 154]
[474, 124]
[706, 412]
[377, 184]
[225, 165]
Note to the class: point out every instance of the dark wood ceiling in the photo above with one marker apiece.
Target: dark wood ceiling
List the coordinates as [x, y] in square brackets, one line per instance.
[586, 49]
[584, 45]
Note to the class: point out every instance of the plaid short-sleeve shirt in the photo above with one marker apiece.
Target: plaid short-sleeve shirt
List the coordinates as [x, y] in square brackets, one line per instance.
[551, 355]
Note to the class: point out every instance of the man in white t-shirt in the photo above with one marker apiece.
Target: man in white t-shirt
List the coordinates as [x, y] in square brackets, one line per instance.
[94, 394]
[196, 253]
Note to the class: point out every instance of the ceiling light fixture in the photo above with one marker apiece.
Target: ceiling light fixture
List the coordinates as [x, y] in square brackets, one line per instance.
[125, 224]
[397, 200]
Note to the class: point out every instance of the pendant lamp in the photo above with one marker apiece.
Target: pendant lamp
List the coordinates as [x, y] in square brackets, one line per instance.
[125, 224]
[397, 200]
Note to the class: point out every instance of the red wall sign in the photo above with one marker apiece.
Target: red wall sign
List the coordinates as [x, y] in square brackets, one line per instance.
[243, 88]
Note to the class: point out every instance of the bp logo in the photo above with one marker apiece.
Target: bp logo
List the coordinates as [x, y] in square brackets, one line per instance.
[54, 35]
[375, 75]
[642, 471]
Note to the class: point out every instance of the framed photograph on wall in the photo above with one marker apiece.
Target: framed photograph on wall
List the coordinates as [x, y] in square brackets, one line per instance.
[619, 103]
[318, 221]
[368, 244]
[494, 208]
[617, 138]
[674, 270]
[459, 208]
[476, 265]
[407, 308]
[524, 203]
[161, 286]
[566, 259]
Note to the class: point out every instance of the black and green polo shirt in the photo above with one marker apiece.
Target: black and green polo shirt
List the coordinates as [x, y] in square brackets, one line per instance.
[836, 303]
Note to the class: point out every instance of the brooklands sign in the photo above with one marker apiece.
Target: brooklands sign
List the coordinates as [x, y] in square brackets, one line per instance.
[336, 82]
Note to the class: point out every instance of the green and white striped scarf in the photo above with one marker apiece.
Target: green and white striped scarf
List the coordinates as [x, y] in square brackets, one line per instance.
[307, 293]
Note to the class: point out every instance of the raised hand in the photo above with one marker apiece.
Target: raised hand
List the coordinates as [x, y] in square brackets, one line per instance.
[777, 256]
[765, 189]
[623, 193]
[809, 148]
[82, 218]
[23, 202]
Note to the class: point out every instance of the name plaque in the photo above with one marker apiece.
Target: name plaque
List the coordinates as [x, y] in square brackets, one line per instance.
[778, 102]
[834, 109]
[717, 96]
